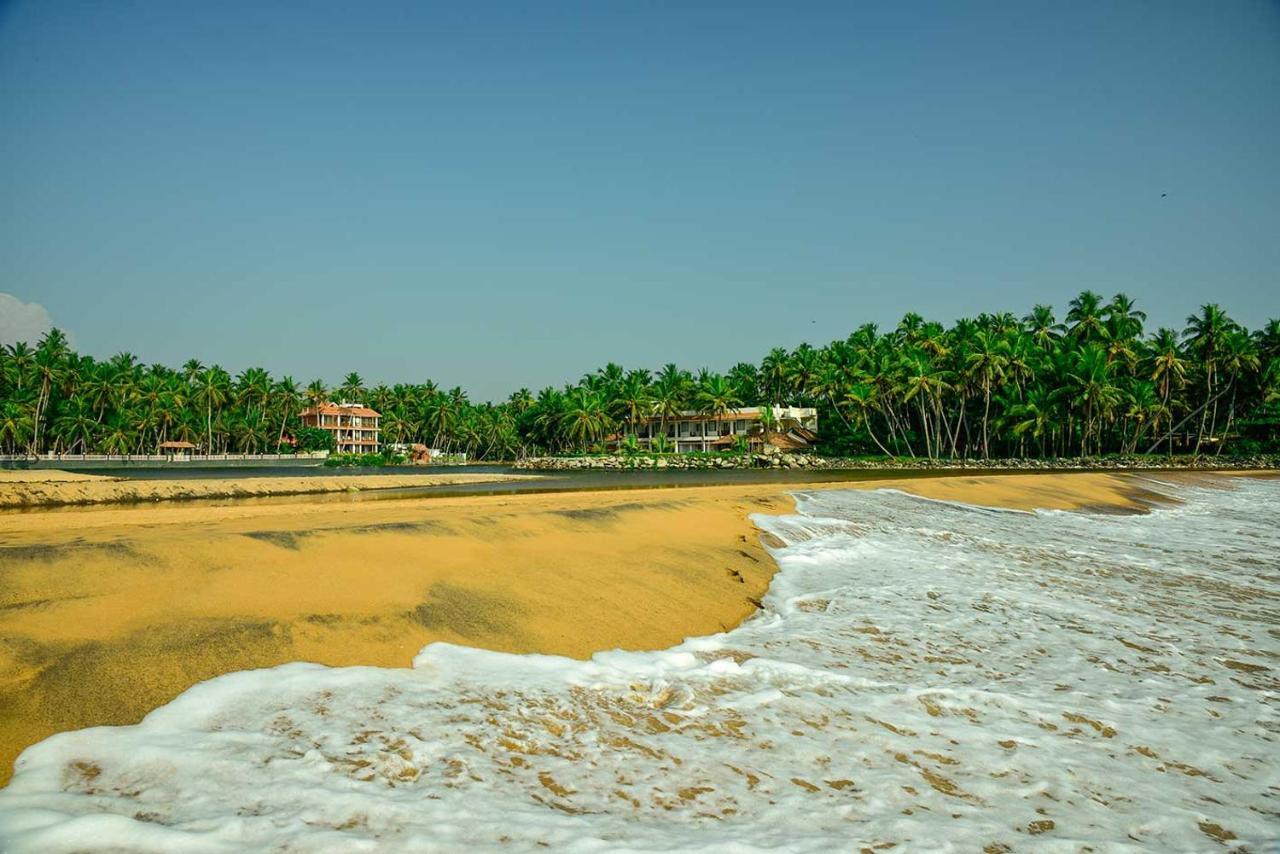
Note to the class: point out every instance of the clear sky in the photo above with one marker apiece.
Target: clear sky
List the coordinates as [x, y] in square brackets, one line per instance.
[506, 195]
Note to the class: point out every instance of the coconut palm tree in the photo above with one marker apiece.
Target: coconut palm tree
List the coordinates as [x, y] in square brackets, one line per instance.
[631, 400]
[861, 400]
[775, 375]
[316, 394]
[717, 397]
[1093, 391]
[670, 392]
[586, 417]
[1034, 415]
[1085, 314]
[16, 425]
[286, 397]
[352, 388]
[213, 389]
[47, 363]
[1204, 337]
[987, 362]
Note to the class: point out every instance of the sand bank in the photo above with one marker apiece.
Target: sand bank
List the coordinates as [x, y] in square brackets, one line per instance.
[49, 488]
[109, 613]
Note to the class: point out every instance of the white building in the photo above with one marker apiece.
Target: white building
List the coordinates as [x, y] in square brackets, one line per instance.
[792, 428]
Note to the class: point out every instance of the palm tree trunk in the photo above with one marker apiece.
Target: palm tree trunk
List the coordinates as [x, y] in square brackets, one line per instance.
[924, 427]
[866, 422]
[986, 416]
[1204, 409]
[1231, 411]
[40, 404]
[1189, 416]
[902, 429]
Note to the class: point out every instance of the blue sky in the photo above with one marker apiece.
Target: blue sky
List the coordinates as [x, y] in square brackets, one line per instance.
[506, 195]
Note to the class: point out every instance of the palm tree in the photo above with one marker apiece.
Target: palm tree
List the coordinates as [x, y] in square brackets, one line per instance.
[1034, 415]
[118, 434]
[925, 384]
[352, 387]
[746, 381]
[1168, 368]
[631, 400]
[586, 417]
[1094, 392]
[287, 396]
[861, 398]
[802, 372]
[1204, 336]
[16, 425]
[775, 375]
[1124, 321]
[48, 360]
[521, 400]
[670, 393]
[21, 359]
[75, 426]
[1239, 358]
[1085, 316]
[986, 363]
[316, 394]
[716, 397]
[213, 389]
[1144, 410]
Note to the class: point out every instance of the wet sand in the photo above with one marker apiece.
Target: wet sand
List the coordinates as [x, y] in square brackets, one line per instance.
[51, 488]
[109, 613]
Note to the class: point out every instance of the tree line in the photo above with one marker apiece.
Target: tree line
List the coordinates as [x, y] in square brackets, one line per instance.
[995, 385]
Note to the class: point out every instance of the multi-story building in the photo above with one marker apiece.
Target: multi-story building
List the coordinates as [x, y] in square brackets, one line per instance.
[791, 428]
[354, 426]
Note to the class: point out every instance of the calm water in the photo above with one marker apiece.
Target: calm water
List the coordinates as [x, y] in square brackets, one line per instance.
[927, 675]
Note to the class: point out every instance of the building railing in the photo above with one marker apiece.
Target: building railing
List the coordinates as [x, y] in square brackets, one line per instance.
[146, 458]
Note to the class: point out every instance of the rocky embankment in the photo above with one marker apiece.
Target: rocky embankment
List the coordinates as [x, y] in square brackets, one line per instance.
[811, 461]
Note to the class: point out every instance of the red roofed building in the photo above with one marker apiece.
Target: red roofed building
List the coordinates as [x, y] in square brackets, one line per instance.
[354, 427]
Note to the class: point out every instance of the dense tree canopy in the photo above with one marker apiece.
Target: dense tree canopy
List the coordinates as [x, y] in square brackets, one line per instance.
[994, 385]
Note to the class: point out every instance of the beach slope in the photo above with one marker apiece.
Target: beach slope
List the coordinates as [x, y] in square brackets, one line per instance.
[111, 611]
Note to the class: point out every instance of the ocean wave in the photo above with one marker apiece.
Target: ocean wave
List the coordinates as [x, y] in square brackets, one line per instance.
[924, 675]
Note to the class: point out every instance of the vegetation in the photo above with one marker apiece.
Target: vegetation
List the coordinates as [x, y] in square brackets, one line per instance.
[995, 385]
[385, 457]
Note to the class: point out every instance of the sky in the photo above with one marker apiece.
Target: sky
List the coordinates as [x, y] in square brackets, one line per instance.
[499, 195]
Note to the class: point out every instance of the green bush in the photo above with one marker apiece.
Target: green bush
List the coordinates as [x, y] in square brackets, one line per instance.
[314, 439]
[385, 458]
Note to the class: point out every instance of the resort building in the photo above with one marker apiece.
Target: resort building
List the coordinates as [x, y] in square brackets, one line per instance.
[354, 426]
[791, 428]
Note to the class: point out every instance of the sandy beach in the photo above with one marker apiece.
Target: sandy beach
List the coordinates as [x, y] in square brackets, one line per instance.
[109, 613]
[50, 488]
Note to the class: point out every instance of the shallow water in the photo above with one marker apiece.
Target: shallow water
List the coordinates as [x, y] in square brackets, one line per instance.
[926, 675]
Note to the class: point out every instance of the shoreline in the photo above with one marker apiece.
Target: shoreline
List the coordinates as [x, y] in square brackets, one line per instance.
[110, 613]
[806, 461]
[28, 491]
[37, 489]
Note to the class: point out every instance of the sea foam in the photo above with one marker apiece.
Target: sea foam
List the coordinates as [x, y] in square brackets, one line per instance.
[923, 675]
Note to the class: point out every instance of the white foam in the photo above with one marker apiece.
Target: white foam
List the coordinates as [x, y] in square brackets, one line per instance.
[924, 674]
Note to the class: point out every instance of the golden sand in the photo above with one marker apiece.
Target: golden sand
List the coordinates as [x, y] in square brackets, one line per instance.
[109, 613]
[48, 488]
[1017, 491]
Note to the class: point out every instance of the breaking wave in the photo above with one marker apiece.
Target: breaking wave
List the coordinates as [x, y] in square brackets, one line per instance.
[923, 675]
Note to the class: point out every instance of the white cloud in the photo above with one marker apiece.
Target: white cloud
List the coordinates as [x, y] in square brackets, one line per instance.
[22, 321]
